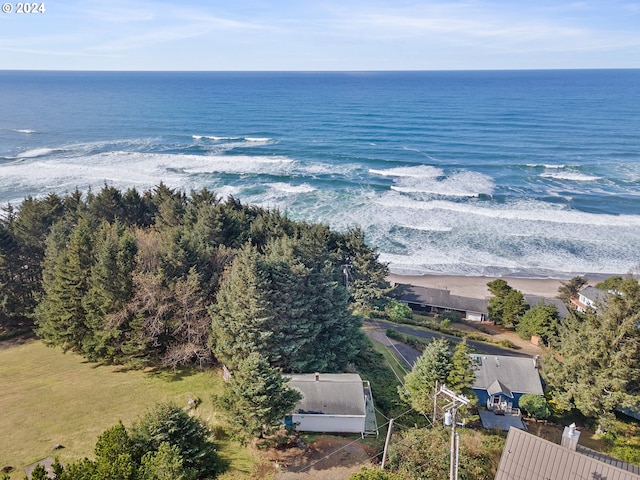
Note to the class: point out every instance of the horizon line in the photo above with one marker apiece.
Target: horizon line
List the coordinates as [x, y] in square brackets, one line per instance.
[25, 70]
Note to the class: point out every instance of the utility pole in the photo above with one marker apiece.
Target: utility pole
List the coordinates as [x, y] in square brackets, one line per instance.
[450, 419]
[346, 271]
[386, 443]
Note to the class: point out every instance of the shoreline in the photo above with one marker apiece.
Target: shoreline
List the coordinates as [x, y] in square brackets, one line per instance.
[476, 287]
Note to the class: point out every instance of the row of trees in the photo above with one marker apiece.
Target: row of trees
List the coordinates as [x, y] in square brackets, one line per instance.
[163, 278]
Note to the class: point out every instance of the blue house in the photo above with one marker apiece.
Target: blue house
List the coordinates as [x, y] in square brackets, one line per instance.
[501, 381]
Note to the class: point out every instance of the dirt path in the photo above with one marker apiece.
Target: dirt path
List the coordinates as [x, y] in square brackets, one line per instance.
[326, 458]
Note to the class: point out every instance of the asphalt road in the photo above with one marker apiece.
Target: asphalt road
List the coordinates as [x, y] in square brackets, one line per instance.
[409, 355]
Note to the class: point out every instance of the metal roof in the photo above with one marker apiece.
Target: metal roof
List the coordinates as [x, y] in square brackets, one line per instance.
[436, 297]
[517, 374]
[331, 394]
[526, 456]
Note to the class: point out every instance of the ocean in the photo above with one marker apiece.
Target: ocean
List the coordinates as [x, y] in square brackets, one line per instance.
[525, 173]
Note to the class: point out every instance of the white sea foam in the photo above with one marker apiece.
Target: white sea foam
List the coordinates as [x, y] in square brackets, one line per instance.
[570, 175]
[287, 188]
[420, 171]
[550, 166]
[24, 130]
[459, 184]
[35, 152]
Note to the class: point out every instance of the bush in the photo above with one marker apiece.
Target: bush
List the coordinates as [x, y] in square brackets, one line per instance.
[398, 310]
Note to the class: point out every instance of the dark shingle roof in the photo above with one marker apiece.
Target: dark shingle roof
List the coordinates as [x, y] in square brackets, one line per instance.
[437, 297]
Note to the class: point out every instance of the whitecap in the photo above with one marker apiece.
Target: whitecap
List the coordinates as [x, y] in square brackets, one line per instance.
[459, 184]
[419, 171]
[571, 176]
[35, 152]
[24, 130]
[549, 166]
[291, 189]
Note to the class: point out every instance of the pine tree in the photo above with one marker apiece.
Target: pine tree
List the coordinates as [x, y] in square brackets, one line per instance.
[61, 314]
[571, 288]
[434, 365]
[597, 362]
[507, 304]
[111, 285]
[365, 275]
[462, 373]
[241, 311]
[257, 398]
[168, 423]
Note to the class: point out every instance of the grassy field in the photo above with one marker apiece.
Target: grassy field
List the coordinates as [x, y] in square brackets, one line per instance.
[49, 398]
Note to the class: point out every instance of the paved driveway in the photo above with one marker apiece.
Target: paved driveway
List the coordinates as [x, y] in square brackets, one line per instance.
[382, 326]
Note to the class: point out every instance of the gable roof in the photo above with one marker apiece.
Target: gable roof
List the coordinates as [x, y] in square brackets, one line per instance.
[437, 297]
[331, 394]
[512, 374]
[534, 458]
[594, 294]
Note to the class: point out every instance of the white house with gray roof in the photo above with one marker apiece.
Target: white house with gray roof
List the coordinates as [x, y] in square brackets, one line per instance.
[335, 403]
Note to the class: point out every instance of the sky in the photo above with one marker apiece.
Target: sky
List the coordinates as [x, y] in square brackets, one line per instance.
[321, 35]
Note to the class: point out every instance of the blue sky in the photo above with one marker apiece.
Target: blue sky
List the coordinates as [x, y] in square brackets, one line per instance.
[322, 35]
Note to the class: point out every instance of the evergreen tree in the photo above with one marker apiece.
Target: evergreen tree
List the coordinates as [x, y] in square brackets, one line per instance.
[541, 320]
[61, 314]
[168, 423]
[164, 464]
[111, 285]
[571, 288]
[596, 365]
[257, 398]
[462, 373]
[434, 365]
[241, 311]
[507, 304]
[365, 275]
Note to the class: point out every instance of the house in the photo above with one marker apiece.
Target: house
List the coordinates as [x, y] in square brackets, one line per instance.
[501, 381]
[531, 457]
[332, 403]
[533, 300]
[435, 300]
[589, 298]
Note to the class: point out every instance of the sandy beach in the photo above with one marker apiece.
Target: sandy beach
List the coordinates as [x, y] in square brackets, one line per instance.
[476, 287]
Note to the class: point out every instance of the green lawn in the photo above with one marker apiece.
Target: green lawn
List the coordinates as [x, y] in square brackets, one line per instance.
[49, 398]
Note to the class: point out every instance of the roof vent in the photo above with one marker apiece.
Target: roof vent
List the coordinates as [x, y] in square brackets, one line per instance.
[317, 376]
[536, 361]
[497, 362]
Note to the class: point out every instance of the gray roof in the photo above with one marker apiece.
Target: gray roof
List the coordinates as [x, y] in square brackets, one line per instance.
[515, 374]
[594, 294]
[533, 300]
[531, 457]
[332, 394]
[436, 297]
[499, 387]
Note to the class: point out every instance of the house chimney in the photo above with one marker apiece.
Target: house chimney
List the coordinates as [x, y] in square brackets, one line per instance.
[570, 437]
[317, 376]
